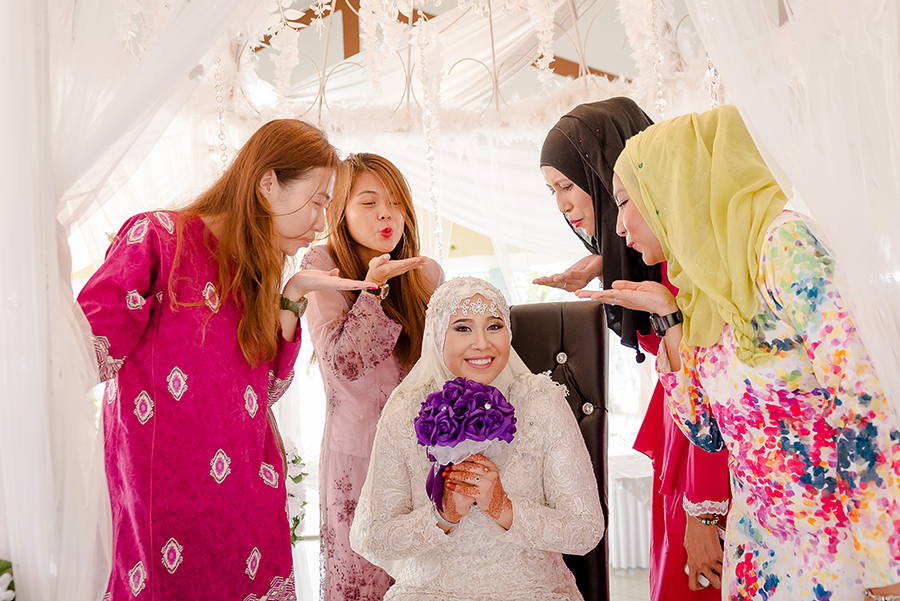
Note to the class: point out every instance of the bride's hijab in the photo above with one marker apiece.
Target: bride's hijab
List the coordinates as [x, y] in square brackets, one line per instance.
[584, 146]
[448, 300]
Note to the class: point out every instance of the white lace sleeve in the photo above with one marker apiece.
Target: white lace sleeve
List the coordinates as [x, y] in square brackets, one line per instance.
[704, 507]
[393, 519]
[569, 520]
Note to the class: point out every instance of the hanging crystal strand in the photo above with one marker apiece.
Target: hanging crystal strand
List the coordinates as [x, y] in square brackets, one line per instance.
[220, 109]
[429, 127]
[712, 76]
[658, 65]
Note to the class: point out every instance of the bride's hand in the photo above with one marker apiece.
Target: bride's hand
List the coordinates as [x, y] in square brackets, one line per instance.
[455, 505]
[477, 477]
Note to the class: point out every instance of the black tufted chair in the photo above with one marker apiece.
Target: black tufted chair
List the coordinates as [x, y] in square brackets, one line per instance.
[569, 340]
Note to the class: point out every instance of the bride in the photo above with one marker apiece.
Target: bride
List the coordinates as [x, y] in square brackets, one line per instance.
[507, 519]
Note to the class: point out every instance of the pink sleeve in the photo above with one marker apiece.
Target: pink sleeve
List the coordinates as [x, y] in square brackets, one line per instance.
[120, 296]
[351, 339]
[281, 371]
[706, 487]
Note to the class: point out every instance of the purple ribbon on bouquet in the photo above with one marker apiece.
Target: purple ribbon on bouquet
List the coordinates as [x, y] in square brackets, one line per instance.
[463, 418]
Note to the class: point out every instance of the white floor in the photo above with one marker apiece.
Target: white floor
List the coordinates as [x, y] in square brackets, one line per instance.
[629, 585]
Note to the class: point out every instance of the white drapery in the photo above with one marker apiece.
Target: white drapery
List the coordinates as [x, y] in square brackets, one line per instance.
[78, 115]
[820, 92]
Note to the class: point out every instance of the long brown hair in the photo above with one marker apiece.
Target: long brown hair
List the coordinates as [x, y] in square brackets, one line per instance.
[251, 264]
[409, 294]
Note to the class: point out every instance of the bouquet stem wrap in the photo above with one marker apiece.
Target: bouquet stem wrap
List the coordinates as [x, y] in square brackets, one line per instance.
[463, 418]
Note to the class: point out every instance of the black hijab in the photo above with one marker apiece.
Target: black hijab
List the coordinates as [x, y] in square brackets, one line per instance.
[584, 146]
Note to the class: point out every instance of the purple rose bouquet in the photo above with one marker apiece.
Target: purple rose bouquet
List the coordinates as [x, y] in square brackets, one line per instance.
[463, 418]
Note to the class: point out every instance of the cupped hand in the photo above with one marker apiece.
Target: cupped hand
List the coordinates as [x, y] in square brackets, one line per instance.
[477, 477]
[382, 268]
[704, 553]
[575, 277]
[651, 297]
[308, 280]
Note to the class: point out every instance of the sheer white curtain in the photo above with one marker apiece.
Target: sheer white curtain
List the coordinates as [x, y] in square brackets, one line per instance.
[77, 113]
[819, 86]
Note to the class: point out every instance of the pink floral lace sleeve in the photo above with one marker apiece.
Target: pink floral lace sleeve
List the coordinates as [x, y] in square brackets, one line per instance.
[352, 339]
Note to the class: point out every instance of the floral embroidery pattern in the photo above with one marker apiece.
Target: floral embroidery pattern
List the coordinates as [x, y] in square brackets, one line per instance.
[165, 221]
[277, 386]
[211, 296]
[143, 407]
[137, 578]
[280, 589]
[253, 563]
[138, 231]
[250, 401]
[171, 555]
[177, 383]
[134, 300]
[108, 365]
[220, 466]
[269, 475]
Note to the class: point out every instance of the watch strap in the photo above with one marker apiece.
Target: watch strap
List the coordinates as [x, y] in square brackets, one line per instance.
[297, 307]
[661, 323]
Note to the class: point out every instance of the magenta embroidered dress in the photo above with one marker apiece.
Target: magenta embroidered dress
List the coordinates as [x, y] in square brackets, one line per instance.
[684, 475]
[354, 343]
[195, 475]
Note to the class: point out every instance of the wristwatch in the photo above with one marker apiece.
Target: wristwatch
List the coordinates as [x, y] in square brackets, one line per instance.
[297, 307]
[662, 323]
[382, 292]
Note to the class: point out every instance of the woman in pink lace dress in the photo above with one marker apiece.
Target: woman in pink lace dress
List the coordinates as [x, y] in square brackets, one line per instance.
[689, 484]
[194, 349]
[365, 344]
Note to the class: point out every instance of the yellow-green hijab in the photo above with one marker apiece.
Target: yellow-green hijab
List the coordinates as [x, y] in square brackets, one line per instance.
[709, 198]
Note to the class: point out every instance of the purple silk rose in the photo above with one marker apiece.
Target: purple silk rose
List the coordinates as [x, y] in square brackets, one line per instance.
[466, 412]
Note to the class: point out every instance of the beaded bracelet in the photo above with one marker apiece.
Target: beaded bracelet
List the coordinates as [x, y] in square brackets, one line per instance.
[872, 595]
[706, 521]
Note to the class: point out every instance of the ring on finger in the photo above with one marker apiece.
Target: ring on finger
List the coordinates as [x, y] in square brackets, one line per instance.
[486, 470]
[477, 479]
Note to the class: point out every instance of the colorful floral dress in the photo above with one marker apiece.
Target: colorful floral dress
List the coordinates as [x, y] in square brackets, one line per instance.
[354, 343]
[195, 475]
[815, 464]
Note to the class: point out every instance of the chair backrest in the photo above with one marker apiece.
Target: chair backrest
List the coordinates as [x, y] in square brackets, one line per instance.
[569, 340]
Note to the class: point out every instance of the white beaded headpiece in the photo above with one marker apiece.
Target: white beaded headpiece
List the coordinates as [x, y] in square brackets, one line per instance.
[455, 297]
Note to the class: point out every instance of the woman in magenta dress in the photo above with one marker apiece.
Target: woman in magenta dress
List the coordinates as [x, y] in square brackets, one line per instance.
[689, 484]
[194, 348]
[365, 344]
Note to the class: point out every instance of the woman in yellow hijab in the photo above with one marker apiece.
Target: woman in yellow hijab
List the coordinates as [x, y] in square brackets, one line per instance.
[761, 355]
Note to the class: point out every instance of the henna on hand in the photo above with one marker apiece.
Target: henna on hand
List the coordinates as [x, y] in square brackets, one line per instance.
[499, 502]
[450, 513]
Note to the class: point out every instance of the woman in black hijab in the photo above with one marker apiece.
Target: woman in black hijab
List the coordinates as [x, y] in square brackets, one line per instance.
[577, 161]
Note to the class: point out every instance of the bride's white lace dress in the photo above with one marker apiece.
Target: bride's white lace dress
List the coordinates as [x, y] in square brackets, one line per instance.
[545, 471]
